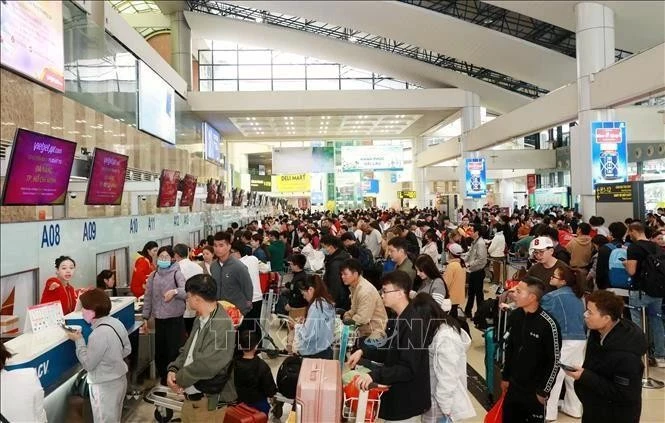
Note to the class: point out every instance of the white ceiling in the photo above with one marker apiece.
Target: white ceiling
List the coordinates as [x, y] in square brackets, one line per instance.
[497, 100]
[324, 125]
[440, 33]
[639, 25]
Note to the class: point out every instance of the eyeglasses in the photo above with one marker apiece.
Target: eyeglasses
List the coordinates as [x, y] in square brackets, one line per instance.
[383, 291]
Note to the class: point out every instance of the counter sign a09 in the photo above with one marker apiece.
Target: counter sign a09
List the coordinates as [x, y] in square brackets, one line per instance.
[609, 152]
[476, 179]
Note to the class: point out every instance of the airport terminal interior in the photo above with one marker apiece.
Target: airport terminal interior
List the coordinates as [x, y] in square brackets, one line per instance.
[313, 130]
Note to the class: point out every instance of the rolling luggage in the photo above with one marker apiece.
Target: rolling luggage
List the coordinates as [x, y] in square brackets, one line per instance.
[319, 391]
[495, 355]
[243, 413]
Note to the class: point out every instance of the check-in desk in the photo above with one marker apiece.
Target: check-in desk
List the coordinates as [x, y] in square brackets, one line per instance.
[53, 355]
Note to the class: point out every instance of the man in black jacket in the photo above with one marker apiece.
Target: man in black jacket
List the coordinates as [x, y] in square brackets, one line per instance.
[609, 384]
[406, 367]
[333, 248]
[533, 342]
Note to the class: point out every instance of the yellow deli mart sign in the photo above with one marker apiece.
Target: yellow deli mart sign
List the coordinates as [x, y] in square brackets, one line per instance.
[293, 183]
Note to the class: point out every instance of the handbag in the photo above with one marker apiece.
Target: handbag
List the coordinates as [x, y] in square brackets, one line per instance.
[80, 385]
[495, 415]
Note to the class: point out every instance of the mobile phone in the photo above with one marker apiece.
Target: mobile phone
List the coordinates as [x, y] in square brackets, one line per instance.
[67, 328]
[567, 367]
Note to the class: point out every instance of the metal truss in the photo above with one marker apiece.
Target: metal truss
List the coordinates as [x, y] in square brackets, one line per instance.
[368, 40]
[508, 22]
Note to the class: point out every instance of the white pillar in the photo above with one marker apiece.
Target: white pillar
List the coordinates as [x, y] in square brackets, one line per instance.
[181, 47]
[506, 193]
[419, 183]
[471, 119]
[595, 51]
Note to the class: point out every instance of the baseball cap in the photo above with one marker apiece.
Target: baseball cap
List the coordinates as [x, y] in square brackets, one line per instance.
[455, 249]
[541, 243]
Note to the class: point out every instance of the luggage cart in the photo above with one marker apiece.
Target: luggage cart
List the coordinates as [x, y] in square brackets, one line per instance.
[363, 408]
[165, 401]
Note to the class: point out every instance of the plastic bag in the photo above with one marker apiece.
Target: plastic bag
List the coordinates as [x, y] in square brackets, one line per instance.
[495, 415]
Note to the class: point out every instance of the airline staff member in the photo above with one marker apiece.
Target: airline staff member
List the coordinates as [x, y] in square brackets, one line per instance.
[59, 288]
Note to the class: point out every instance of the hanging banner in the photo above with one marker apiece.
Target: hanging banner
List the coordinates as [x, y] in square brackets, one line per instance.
[372, 158]
[370, 186]
[303, 159]
[531, 188]
[609, 152]
[293, 183]
[476, 179]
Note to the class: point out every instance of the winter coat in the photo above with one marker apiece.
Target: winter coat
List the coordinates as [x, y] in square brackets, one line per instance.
[610, 387]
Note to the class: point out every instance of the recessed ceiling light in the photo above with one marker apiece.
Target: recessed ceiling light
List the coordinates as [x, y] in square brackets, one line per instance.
[253, 118]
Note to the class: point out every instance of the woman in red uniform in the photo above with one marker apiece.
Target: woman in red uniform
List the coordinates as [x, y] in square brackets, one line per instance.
[58, 288]
[143, 267]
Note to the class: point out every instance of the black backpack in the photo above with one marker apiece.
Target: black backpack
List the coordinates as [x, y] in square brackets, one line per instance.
[652, 274]
[487, 314]
[287, 376]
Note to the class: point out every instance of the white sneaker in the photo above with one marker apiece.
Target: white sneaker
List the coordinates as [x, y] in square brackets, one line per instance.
[660, 362]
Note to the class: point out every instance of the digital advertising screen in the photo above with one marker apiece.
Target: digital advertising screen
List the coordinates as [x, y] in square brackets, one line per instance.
[107, 178]
[370, 186]
[168, 188]
[372, 158]
[609, 152]
[212, 143]
[476, 177]
[31, 40]
[156, 105]
[323, 160]
[38, 170]
[188, 191]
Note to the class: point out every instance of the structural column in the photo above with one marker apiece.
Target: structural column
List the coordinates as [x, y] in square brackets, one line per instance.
[420, 185]
[471, 119]
[181, 47]
[595, 51]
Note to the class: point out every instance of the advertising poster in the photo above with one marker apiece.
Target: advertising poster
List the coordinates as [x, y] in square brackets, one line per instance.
[288, 161]
[531, 188]
[31, 40]
[168, 188]
[609, 152]
[323, 160]
[476, 180]
[39, 170]
[211, 143]
[156, 105]
[107, 179]
[370, 186]
[188, 191]
[372, 158]
[293, 183]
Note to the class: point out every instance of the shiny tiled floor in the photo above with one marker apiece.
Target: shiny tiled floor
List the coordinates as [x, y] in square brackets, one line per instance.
[653, 400]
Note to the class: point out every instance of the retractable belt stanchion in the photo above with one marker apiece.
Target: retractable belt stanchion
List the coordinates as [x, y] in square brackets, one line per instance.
[648, 382]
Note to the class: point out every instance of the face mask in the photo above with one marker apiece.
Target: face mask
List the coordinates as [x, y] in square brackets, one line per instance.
[325, 252]
[88, 315]
[163, 264]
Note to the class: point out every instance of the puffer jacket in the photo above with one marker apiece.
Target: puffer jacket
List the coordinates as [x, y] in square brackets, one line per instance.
[447, 356]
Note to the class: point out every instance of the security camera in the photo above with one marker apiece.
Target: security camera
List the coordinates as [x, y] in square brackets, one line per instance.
[72, 195]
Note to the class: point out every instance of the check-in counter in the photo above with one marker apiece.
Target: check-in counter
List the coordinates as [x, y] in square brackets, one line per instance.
[53, 355]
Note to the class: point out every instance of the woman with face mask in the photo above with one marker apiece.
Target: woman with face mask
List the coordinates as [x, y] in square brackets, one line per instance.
[165, 301]
[59, 288]
[103, 356]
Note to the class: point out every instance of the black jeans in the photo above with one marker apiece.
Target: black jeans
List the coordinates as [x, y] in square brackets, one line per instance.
[169, 338]
[475, 291]
[520, 406]
[251, 320]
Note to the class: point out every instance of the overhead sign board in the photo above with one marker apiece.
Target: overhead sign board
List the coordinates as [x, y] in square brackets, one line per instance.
[406, 195]
[293, 183]
[614, 193]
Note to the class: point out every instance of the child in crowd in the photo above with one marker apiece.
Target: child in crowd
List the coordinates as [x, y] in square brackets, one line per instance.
[253, 379]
